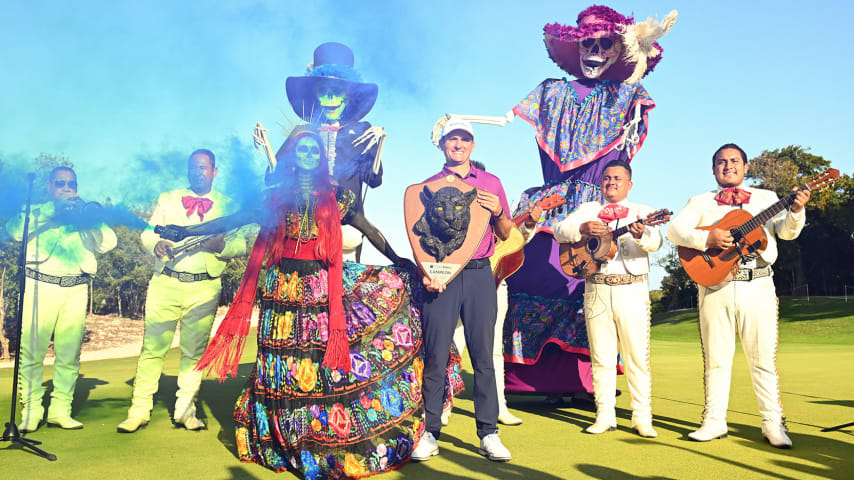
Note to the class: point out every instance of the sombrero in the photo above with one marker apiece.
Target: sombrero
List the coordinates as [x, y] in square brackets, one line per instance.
[641, 53]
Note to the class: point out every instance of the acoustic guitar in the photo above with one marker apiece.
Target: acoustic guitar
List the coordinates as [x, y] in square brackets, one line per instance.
[584, 257]
[509, 255]
[715, 267]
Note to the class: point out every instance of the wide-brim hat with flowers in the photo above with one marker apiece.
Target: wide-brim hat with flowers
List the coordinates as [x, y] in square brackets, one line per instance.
[641, 53]
[333, 64]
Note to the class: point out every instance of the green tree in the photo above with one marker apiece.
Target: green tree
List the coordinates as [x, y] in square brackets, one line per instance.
[817, 258]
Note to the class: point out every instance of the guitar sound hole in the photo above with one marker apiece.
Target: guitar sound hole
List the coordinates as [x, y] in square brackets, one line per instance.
[593, 244]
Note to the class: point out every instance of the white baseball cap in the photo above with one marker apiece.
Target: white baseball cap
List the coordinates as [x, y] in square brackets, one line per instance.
[456, 123]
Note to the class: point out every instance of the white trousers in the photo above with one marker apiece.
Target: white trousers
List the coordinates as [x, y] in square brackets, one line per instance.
[51, 311]
[497, 345]
[750, 310]
[168, 302]
[617, 319]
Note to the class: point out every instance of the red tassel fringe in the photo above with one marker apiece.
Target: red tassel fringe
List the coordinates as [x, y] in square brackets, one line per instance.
[337, 351]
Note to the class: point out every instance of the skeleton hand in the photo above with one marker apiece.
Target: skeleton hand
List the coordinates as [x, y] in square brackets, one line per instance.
[259, 137]
[372, 136]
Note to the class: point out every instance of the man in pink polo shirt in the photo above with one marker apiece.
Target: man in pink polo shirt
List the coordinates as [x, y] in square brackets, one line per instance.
[471, 297]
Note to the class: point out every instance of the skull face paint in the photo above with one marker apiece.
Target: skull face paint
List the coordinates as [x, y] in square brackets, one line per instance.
[307, 153]
[597, 54]
[332, 100]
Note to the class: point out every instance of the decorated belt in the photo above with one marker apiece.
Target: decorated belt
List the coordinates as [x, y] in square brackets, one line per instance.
[186, 277]
[67, 281]
[748, 274]
[477, 263]
[615, 279]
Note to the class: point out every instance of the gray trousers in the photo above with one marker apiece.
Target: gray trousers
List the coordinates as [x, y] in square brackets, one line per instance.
[470, 297]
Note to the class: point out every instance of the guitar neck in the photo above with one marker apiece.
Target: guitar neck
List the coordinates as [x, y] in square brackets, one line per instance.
[767, 214]
[622, 230]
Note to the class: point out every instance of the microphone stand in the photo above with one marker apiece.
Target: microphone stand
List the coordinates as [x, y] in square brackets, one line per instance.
[11, 434]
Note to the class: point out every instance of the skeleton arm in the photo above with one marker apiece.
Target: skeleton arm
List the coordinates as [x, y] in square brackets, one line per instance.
[377, 239]
[372, 136]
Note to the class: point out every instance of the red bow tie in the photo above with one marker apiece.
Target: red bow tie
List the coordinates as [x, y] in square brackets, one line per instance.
[329, 128]
[733, 196]
[197, 205]
[613, 212]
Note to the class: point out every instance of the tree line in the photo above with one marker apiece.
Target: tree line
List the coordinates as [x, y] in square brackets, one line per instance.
[819, 258]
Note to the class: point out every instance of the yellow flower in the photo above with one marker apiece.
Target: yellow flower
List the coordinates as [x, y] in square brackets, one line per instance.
[386, 355]
[418, 369]
[353, 467]
[286, 324]
[316, 425]
[307, 375]
[377, 405]
[388, 345]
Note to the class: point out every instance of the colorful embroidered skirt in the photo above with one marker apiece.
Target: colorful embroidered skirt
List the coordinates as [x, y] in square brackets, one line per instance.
[296, 414]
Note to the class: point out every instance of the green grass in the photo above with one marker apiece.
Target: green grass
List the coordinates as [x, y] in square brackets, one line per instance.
[815, 382]
[817, 321]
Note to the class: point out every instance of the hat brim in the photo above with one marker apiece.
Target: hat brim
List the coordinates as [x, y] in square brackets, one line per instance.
[565, 53]
[302, 97]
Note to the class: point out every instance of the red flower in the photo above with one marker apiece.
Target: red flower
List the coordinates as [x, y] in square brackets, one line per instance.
[339, 420]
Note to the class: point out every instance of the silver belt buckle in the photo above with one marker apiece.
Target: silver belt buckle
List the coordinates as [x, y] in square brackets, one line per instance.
[612, 280]
[185, 277]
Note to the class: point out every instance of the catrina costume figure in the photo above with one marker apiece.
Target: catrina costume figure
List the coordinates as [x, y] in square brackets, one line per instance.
[332, 96]
[580, 125]
[336, 387]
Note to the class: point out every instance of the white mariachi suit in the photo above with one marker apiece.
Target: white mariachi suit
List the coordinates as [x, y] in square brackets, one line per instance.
[61, 253]
[748, 307]
[188, 299]
[618, 315]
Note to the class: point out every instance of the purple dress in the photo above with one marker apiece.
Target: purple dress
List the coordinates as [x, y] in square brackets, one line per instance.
[581, 126]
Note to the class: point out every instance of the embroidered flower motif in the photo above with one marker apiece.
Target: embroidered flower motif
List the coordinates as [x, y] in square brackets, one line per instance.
[353, 467]
[392, 401]
[309, 465]
[388, 345]
[339, 420]
[336, 375]
[363, 314]
[387, 355]
[315, 410]
[316, 425]
[286, 324]
[378, 343]
[323, 324]
[418, 369]
[403, 449]
[377, 405]
[371, 414]
[307, 375]
[318, 285]
[402, 335]
[359, 366]
[365, 401]
[324, 418]
[382, 449]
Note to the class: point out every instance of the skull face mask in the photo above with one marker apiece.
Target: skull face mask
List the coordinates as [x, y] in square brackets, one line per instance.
[597, 54]
[307, 153]
[332, 100]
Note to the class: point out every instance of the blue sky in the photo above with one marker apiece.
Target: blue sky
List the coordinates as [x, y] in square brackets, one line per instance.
[110, 84]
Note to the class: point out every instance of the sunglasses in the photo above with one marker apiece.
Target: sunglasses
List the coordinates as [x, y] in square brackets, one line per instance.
[605, 43]
[62, 183]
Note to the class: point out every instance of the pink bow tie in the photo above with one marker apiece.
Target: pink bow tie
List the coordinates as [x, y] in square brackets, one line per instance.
[733, 196]
[329, 128]
[613, 212]
[197, 205]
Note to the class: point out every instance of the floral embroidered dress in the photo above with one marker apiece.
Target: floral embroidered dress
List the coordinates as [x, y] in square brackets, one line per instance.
[581, 125]
[295, 413]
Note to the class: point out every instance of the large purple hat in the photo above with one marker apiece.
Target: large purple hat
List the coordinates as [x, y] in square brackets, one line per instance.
[600, 21]
[333, 64]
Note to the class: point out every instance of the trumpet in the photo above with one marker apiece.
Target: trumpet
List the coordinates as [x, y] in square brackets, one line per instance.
[194, 244]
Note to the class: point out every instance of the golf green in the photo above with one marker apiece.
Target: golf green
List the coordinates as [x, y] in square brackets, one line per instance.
[815, 382]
